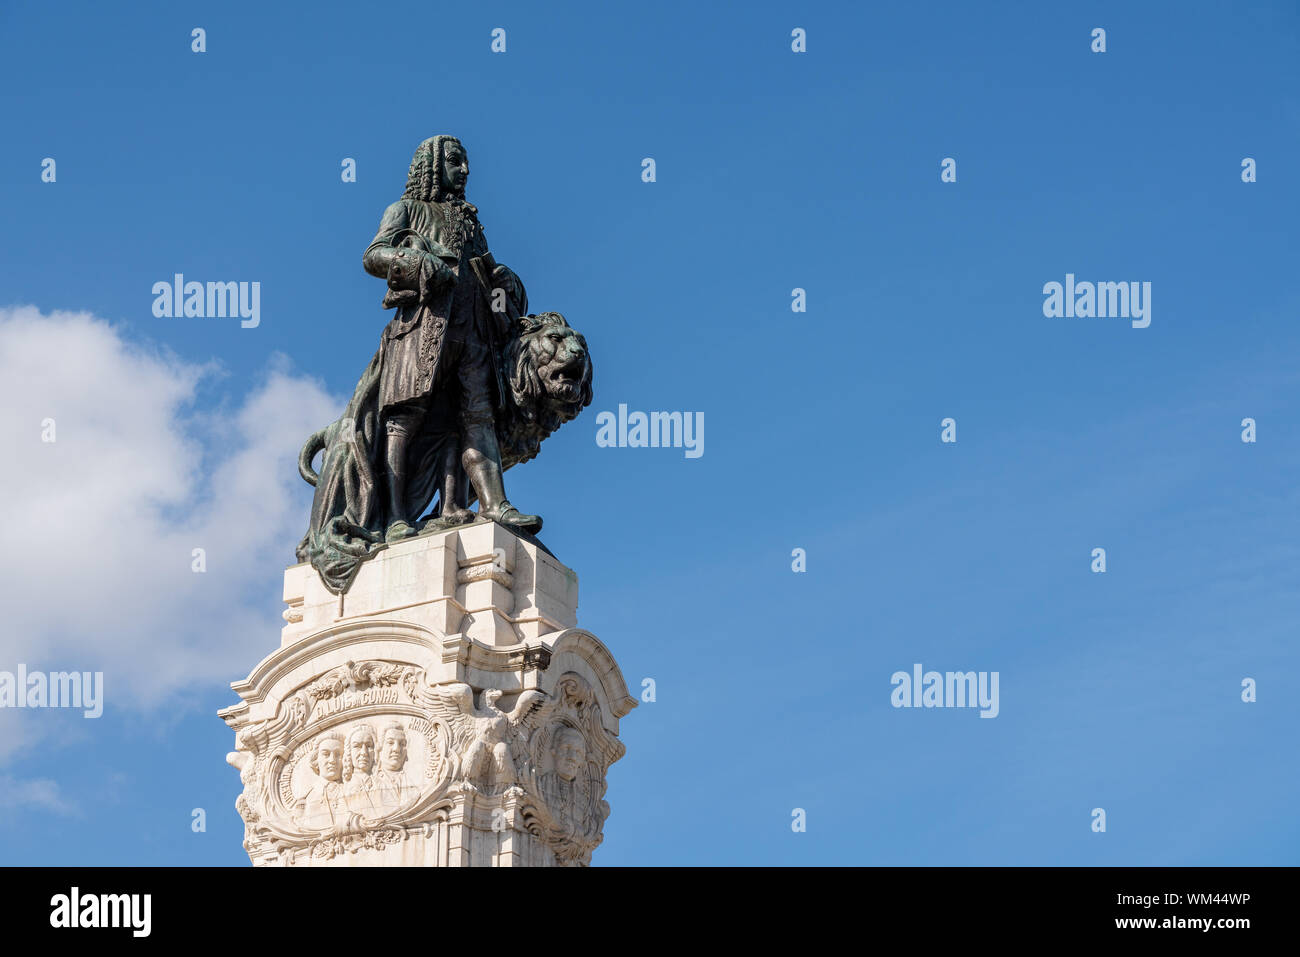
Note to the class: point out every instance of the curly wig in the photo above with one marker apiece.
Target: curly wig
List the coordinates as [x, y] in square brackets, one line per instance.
[424, 178]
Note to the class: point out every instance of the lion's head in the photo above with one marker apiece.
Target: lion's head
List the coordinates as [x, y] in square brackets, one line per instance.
[548, 372]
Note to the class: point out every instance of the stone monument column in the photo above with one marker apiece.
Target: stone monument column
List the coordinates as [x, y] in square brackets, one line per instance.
[433, 701]
[445, 711]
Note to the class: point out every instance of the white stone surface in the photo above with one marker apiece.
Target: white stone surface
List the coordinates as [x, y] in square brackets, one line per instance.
[445, 711]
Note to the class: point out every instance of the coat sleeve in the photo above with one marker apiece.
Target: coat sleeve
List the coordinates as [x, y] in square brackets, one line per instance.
[379, 255]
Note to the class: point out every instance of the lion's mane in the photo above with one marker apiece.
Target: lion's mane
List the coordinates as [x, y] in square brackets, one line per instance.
[531, 412]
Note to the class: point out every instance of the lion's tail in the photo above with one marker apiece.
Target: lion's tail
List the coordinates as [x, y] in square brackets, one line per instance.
[314, 444]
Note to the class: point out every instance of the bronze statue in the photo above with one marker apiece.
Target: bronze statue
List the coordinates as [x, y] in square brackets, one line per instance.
[464, 385]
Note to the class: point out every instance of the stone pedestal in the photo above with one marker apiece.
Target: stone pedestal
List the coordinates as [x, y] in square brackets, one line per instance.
[445, 711]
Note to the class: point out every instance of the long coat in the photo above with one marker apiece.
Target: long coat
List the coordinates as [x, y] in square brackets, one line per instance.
[350, 510]
[412, 341]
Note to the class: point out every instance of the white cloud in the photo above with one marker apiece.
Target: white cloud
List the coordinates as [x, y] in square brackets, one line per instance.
[99, 526]
[42, 793]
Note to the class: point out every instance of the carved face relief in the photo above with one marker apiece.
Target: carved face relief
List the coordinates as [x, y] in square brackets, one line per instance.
[328, 762]
[393, 750]
[361, 749]
[455, 168]
[570, 753]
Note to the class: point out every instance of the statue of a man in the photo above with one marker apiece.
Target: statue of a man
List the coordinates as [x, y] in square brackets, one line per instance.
[565, 786]
[454, 304]
[391, 779]
[324, 804]
[463, 386]
[358, 765]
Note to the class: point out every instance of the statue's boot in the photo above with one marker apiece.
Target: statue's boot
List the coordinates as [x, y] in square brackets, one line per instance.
[448, 518]
[450, 512]
[395, 454]
[486, 476]
[506, 514]
[398, 531]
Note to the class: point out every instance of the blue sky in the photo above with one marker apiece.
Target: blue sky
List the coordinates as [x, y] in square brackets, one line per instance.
[775, 170]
